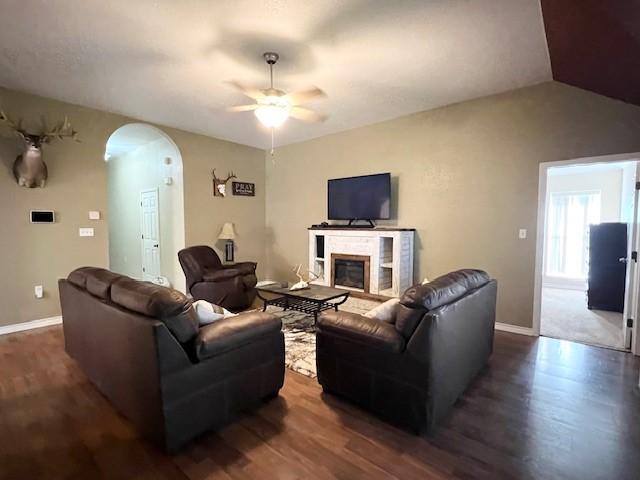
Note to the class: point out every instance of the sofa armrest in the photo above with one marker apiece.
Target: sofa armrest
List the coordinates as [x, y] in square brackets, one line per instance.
[245, 268]
[362, 329]
[234, 332]
[220, 275]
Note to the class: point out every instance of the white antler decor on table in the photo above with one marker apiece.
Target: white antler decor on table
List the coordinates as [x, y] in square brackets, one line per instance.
[303, 284]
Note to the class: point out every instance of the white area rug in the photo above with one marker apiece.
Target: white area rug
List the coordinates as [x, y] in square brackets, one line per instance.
[565, 315]
[300, 336]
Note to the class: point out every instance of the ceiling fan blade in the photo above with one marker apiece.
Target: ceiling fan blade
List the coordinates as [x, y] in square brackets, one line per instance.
[243, 108]
[307, 115]
[304, 96]
[251, 92]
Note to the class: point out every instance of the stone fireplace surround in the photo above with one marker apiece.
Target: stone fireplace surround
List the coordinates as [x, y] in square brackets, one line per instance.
[389, 252]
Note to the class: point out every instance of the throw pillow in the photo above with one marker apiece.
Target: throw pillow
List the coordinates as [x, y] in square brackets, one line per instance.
[208, 312]
[385, 312]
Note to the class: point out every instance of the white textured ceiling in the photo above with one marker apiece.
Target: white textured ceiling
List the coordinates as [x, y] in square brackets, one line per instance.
[166, 61]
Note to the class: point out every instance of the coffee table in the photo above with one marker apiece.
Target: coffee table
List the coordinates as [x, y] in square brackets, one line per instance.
[312, 300]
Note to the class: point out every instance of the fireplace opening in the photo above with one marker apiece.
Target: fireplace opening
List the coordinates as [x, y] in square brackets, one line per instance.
[351, 271]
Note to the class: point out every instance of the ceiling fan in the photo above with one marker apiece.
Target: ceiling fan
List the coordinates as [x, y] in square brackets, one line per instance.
[272, 107]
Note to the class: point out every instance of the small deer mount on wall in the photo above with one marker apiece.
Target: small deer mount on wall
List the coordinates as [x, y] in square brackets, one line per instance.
[220, 185]
[29, 167]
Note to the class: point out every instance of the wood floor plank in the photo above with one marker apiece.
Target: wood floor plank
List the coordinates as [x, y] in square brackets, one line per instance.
[543, 408]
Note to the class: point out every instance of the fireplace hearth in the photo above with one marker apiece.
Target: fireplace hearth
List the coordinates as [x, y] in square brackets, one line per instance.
[351, 271]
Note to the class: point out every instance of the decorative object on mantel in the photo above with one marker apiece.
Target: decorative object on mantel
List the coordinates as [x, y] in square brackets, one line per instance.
[29, 168]
[302, 284]
[243, 189]
[228, 233]
[220, 185]
[273, 106]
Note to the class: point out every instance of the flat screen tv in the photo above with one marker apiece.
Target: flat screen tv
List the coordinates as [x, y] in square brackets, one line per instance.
[360, 198]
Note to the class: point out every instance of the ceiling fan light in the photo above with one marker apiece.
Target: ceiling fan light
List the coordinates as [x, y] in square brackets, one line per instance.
[272, 116]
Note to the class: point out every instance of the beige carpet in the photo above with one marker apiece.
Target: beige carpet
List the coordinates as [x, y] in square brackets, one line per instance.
[565, 315]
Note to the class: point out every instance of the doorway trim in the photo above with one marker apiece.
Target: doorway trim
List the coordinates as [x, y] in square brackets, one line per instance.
[175, 170]
[540, 230]
[156, 194]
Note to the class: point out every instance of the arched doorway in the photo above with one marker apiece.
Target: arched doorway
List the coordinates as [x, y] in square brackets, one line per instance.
[146, 204]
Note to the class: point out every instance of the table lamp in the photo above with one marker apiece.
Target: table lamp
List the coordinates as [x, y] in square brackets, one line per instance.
[228, 233]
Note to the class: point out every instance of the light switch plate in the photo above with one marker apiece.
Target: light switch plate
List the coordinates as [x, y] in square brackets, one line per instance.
[86, 232]
[94, 215]
[38, 291]
[522, 234]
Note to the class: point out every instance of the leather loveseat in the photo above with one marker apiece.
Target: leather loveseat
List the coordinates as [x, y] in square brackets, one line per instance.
[411, 370]
[231, 286]
[142, 347]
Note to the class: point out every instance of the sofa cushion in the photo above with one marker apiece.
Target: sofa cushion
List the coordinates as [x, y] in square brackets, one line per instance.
[220, 275]
[245, 268]
[171, 307]
[249, 281]
[99, 282]
[407, 319]
[385, 312]
[79, 276]
[362, 329]
[445, 289]
[234, 332]
[208, 312]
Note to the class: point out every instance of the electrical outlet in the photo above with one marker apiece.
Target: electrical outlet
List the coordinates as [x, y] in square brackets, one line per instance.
[522, 234]
[38, 291]
[86, 232]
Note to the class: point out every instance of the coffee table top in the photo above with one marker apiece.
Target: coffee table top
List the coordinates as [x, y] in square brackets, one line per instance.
[314, 292]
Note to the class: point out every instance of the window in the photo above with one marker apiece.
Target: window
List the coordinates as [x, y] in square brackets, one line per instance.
[569, 217]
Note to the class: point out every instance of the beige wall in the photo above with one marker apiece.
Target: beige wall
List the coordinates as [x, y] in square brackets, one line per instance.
[40, 254]
[465, 176]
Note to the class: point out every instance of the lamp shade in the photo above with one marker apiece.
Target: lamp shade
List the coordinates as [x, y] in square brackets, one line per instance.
[228, 232]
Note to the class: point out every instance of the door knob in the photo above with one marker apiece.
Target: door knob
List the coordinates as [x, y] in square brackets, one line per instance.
[156, 246]
[622, 259]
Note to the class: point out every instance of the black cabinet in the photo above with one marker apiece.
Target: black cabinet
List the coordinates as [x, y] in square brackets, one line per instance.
[607, 266]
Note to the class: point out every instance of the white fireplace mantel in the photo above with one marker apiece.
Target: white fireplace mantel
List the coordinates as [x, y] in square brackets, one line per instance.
[390, 253]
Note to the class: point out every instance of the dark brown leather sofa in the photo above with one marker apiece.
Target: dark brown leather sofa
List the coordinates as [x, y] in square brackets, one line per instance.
[230, 286]
[140, 344]
[411, 371]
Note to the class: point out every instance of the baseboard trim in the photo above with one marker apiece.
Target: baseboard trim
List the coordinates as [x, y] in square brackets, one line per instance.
[505, 327]
[21, 327]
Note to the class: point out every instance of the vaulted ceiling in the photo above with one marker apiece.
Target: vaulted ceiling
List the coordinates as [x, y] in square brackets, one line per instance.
[167, 61]
[595, 45]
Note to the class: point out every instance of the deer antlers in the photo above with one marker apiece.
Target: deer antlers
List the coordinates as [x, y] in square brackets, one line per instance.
[60, 131]
[17, 128]
[230, 175]
[299, 275]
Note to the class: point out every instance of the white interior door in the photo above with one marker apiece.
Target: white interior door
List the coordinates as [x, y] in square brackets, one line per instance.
[631, 304]
[150, 227]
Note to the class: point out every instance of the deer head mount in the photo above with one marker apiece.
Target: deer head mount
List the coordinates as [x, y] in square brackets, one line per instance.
[29, 167]
[220, 185]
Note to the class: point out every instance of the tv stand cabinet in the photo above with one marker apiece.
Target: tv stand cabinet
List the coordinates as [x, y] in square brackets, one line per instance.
[389, 252]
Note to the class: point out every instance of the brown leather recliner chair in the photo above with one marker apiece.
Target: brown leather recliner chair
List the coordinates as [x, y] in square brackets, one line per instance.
[410, 371]
[141, 345]
[230, 286]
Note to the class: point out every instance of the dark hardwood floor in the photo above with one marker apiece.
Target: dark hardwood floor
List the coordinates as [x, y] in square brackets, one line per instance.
[542, 409]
